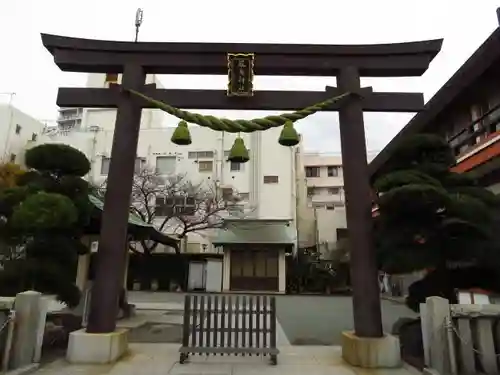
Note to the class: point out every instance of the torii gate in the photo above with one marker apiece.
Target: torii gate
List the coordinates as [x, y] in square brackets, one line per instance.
[135, 60]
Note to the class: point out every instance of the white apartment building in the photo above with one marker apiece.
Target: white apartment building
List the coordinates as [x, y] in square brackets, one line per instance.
[324, 180]
[266, 183]
[269, 188]
[325, 222]
[16, 131]
[83, 118]
[69, 118]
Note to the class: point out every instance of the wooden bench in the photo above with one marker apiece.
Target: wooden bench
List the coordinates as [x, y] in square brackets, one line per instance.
[229, 324]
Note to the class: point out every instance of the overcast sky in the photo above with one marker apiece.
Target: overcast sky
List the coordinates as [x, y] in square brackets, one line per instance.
[27, 69]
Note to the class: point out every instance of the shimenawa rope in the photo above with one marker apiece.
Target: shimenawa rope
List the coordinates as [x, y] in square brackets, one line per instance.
[235, 126]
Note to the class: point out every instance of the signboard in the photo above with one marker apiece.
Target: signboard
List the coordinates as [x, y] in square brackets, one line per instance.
[240, 74]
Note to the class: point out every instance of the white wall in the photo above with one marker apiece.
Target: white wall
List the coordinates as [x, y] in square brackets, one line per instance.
[267, 158]
[327, 223]
[105, 118]
[12, 142]
[322, 212]
[326, 189]
[274, 201]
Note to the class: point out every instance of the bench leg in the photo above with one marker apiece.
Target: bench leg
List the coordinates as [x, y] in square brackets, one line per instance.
[183, 357]
[274, 360]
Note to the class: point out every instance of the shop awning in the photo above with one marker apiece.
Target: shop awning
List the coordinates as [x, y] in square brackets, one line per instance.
[256, 232]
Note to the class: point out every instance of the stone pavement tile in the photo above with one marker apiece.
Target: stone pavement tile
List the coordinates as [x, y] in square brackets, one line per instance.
[232, 359]
[162, 359]
[142, 359]
[201, 369]
[397, 371]
[61, 367]
[291, 369]
[320, 355]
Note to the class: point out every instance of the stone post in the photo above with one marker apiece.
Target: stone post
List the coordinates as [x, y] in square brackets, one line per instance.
[424, 324]
[437, 313]
[40, 331]
[82, 271]
[27, 307]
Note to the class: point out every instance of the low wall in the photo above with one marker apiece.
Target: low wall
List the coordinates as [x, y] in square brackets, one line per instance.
[22, 326]
[460, 339]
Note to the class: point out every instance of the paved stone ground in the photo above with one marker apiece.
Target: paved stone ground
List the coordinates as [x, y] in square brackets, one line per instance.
[162, 323]
[304, 319]
[156, 359]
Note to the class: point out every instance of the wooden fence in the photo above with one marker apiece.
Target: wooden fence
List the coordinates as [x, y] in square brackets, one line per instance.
[229, 324]
[460, 339]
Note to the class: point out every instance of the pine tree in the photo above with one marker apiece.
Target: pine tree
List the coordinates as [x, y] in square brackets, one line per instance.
[431, 218]
[43, 222]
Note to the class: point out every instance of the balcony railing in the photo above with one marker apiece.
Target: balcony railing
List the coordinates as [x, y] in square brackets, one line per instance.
[477, 132]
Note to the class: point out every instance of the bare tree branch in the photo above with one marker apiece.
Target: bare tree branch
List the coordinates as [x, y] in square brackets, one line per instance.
[176, 205]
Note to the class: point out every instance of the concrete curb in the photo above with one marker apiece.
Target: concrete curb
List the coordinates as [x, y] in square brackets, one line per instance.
[400, 300]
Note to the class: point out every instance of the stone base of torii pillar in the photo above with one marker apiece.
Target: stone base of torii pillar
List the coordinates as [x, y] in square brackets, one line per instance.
[380, 352]
[92, 348]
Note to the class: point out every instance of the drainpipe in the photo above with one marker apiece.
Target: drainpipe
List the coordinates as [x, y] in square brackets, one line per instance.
[316, 229]
[295, 200]
[221, 158]
[93, 157]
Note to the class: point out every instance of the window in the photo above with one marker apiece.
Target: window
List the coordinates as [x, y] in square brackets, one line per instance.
[312, 172]
[236, 167]
[333, 171]
[310, 191]
[34, 136]
[342, 233]
[165, 164]
[200, 155]
[168, 206]
[205, 166]
[271, 179]
[111, 78]
[228, 152]
[105, 162]
[105, 165]
[12, 158]
[334, 190]
[18, 129]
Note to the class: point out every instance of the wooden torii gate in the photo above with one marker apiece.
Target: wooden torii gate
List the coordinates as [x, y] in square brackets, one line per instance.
[135, 60]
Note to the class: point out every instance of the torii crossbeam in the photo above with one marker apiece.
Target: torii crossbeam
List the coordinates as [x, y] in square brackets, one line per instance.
[135, 60]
